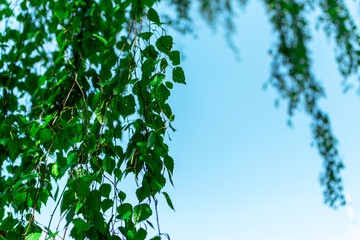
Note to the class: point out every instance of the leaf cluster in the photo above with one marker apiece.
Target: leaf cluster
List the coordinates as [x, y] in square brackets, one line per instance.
[84, 105]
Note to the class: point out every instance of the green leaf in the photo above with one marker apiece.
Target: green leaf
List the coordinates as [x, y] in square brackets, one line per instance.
[99, 115]
[169, 163]
[70, 215]
[103, 40]
[157, 80]
[19, 198]
[93, 201]
[80, 225]
[164, 44]
[106, 204]
[143, 192]
[150, 224]
[145, 35]
[45, 135]
[153, 16]
[55, 170]
[175, 57]
[71, 160]
[125, 211]
[142, 212]
[162, 94]
[33, 236]
[102, 84]
[151, 140]
[122, 195]
[72, 157]
[105, 190]
[52, 235]
[65, 168]
[108, 164]
[169, 85]
[130, 234]
[42, 80]
[141, 144]
[168, 200]
[178, 75]
[156, 238]
[140, 234]
[150, 53]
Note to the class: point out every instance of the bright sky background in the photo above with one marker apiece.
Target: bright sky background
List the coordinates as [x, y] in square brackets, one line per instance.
[240, 171]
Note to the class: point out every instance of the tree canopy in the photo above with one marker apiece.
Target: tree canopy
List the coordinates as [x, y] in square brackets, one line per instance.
[83, 104]
[84, 98]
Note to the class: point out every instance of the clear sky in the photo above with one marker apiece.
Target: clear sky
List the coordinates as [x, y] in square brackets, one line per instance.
[240, 171]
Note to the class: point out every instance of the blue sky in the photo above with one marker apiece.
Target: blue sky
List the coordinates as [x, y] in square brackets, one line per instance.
[240, 171]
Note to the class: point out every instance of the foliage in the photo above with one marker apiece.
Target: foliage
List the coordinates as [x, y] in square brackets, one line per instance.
[83, 105]
[292, 74]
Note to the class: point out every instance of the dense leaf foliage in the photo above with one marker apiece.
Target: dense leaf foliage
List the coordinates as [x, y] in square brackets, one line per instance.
[84, 105]
[292, 75]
